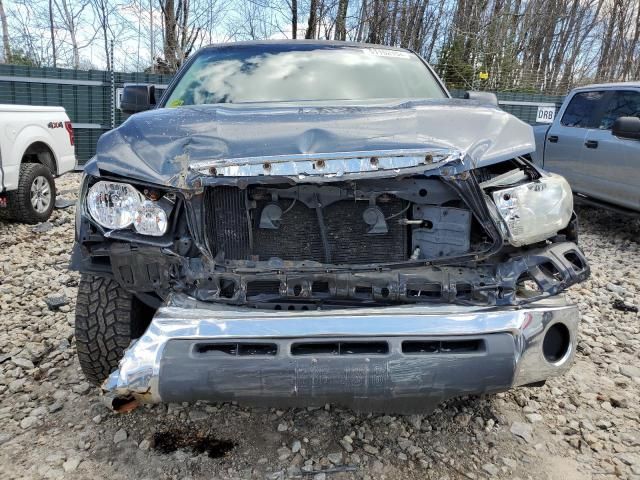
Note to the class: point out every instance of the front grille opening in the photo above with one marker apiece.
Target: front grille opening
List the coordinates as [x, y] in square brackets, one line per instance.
[232, 226]
[421, 347]
[340, 348]
[576, 262]
[263, 287]
[240, 349]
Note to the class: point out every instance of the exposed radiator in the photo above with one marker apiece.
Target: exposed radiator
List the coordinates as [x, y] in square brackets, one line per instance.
[299, 237]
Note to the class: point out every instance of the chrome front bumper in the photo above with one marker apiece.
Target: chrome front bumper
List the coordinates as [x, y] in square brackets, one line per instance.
[395, 359]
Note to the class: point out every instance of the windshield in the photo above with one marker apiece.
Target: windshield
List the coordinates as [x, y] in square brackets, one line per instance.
[286, 73]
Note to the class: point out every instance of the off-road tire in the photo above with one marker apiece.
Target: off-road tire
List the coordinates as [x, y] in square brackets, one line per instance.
[19, 207]
[107, 319]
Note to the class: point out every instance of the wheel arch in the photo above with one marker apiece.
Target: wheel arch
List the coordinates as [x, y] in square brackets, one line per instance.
[40, 152]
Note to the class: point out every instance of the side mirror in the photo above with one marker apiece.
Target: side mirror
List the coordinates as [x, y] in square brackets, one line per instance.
[482, 97]
[137, 98]
[626, 127]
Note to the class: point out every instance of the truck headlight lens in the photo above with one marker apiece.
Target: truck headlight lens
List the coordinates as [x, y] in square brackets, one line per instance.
[113, 205]
[150, 219]
[535, 211]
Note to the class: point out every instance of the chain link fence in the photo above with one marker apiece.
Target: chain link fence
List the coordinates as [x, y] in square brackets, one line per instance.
[91, 98]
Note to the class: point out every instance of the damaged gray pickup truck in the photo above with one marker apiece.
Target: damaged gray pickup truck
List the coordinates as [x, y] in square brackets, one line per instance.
[296, 223]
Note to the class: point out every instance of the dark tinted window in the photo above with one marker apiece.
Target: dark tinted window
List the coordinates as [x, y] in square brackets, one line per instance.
[285, 72]
[581, 109]
[623, 103]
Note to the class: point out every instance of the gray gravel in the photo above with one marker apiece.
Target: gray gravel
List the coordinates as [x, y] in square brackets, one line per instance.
[52, 424]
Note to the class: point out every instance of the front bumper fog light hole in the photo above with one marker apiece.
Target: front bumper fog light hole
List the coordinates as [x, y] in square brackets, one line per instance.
[556, 343]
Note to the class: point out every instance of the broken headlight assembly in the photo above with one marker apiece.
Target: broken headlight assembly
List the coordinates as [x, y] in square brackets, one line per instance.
[116, 206]
[535, 211]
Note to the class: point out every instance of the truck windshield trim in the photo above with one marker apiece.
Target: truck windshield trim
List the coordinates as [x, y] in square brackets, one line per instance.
[302, 73]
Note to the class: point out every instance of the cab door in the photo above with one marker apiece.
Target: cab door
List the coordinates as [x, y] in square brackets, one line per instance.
[614, 161]
[565, 140]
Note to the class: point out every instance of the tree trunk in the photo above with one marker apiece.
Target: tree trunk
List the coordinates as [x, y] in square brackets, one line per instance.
[71, 26]
[152, 34]
[294, 19]
[170, 39]
[362, 18]
[436, 31]
[311, 28]
[341, 20]
[52, 33]
[5, 34]
[628, 63]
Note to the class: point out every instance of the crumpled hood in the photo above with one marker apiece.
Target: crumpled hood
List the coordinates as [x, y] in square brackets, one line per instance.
[159, 146]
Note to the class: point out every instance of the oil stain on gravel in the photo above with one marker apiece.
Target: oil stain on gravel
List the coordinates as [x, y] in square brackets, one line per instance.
[169, 441]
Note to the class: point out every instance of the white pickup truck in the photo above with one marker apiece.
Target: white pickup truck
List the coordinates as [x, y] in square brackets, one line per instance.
[36, 145]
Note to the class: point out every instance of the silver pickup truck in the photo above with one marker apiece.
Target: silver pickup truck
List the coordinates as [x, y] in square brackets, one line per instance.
[594, 142]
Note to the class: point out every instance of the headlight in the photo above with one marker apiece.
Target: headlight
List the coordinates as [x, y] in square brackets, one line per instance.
[535, 211]
[119, 205]
[150, 219]
[112, 204]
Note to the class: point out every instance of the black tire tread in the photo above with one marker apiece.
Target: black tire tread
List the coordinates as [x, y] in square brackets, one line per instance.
[104, 318]
[19, 200]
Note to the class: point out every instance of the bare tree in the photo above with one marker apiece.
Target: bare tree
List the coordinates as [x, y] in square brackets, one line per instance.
[183, 24]
[103, 10]
[70, 13]
[313, 20]
[5, 34]
[52, 34]
[341, 20]
[293, 6]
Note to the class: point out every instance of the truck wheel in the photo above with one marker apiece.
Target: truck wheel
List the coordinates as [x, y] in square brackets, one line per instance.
[107, 319]
[35, 197]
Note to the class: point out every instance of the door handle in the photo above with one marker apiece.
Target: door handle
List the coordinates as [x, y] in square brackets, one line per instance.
[553, 138]
[591, 144]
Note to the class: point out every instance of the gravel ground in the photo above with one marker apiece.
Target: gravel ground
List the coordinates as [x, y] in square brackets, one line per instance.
[52, 424]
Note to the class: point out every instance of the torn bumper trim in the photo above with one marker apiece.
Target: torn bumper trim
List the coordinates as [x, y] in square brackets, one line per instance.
[398, 359]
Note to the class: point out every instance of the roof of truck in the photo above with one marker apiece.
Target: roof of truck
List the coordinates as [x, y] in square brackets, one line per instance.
[609, 85]
[322, 43]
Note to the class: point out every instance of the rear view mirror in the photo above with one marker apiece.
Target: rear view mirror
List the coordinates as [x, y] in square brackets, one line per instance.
[482, 97]
[627, 127]
[137, 98]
